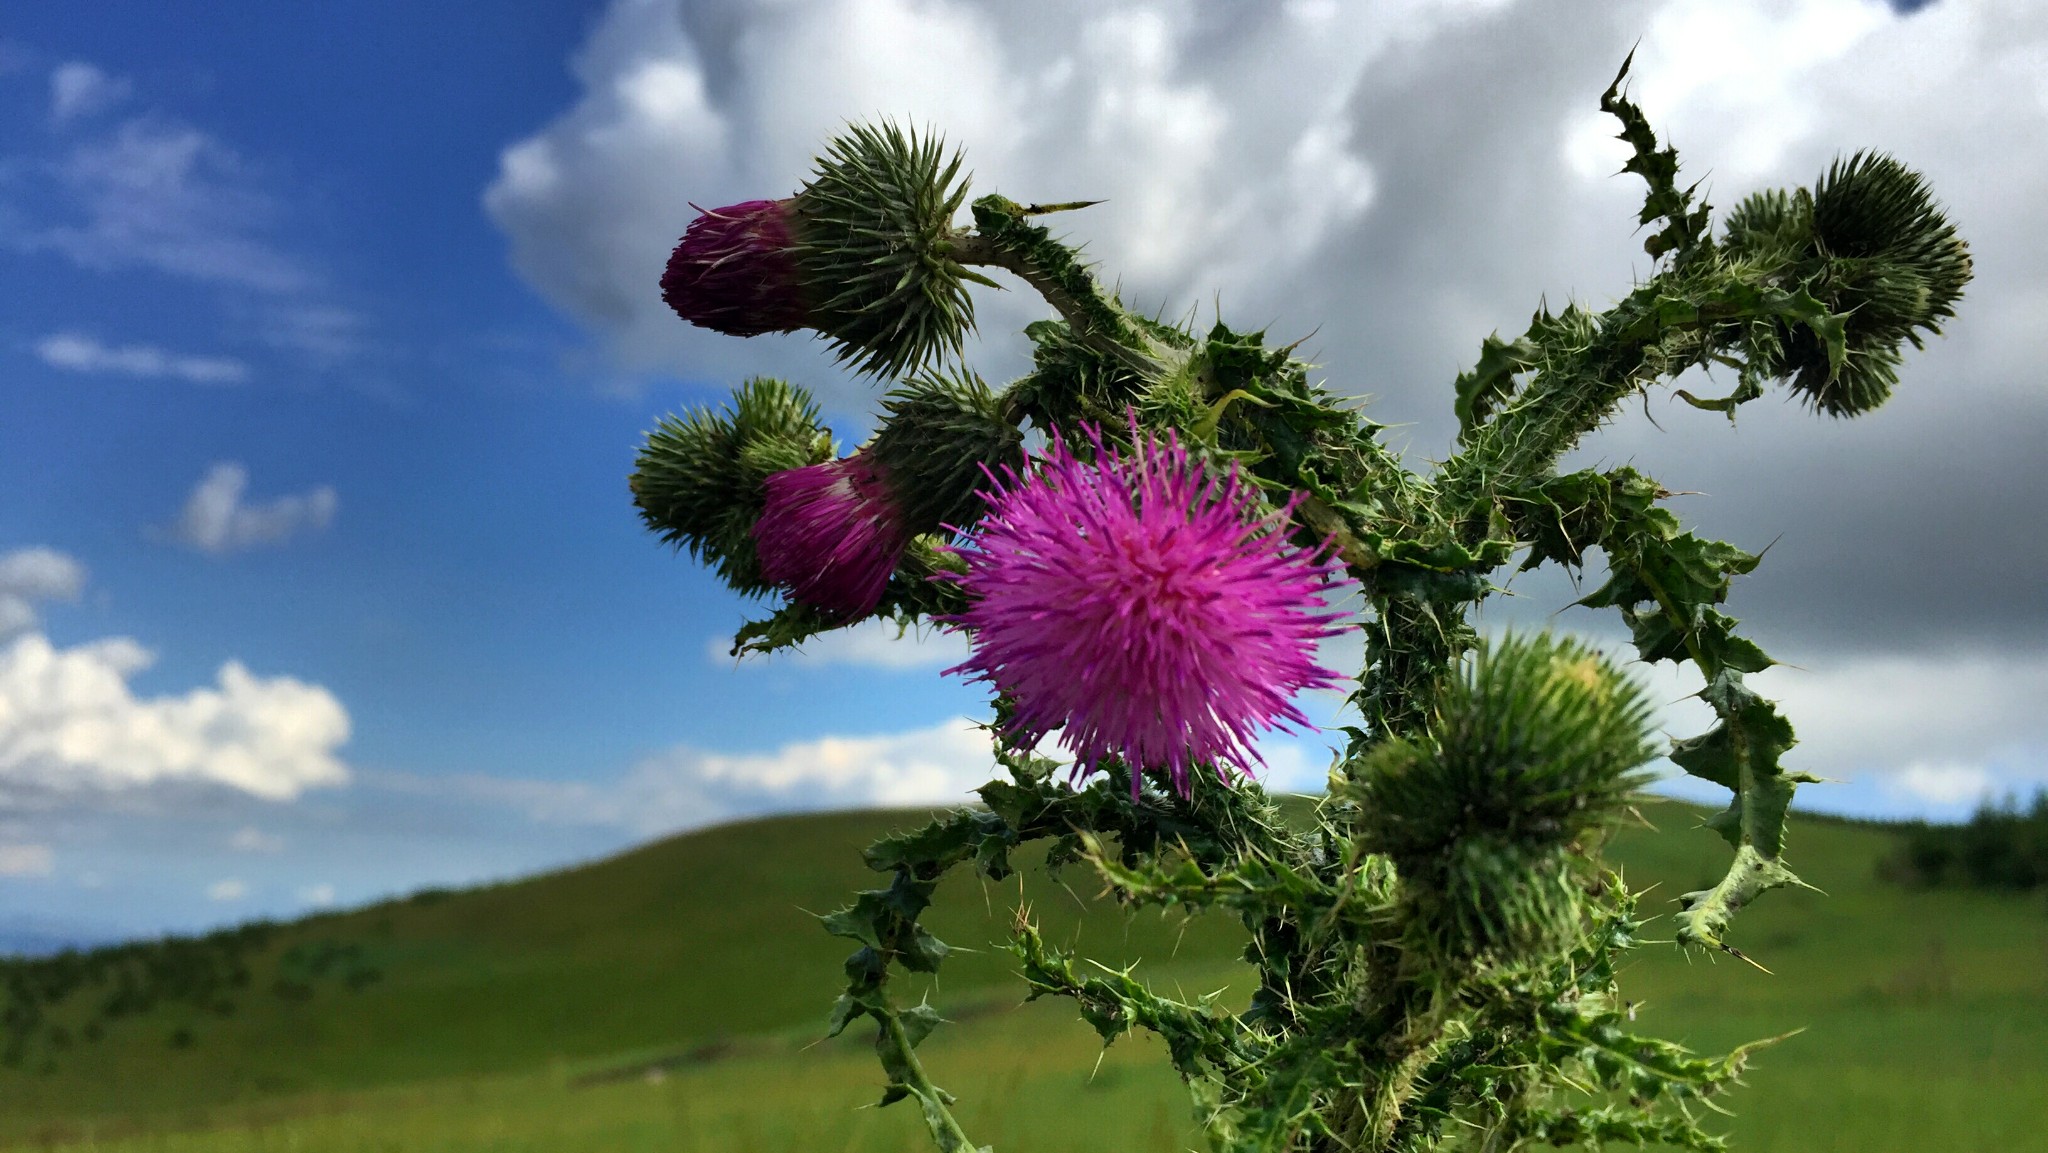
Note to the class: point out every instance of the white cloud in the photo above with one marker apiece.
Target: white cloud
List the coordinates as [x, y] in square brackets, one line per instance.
[30, 575]
[1934, 729]
[79, 90]
[1894, 715]
[20, 860]
[319, 896]
[69, 721]
[158, 194]
[934, 766]
[1223, 158]
[687, 787]
[872, 643]
[76, 352]
[250, 839]
[216, 520]
[227, 889]
[1944, 784]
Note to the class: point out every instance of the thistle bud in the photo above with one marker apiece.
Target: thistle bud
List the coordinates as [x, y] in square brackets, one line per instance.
[942, 440]
[699, 479]
[735, 271]
[830, 534]
[860, 254]
[1871, 245]
[833, 533]
[1538, 743]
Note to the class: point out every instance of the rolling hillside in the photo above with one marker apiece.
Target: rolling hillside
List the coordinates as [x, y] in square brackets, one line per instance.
[695, 957]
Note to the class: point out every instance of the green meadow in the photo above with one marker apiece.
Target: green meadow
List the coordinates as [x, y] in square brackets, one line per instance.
[671, 999]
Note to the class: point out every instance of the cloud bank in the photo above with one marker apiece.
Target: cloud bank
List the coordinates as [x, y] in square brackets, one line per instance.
[1401, 179]
[69, 722]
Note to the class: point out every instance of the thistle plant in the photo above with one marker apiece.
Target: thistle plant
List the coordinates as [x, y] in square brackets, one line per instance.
[1436, 947]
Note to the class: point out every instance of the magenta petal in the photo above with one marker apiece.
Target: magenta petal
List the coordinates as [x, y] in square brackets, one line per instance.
[735, 271]
[831, 534]
[1141, 605]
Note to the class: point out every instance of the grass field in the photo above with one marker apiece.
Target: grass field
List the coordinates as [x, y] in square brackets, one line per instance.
[668, 999]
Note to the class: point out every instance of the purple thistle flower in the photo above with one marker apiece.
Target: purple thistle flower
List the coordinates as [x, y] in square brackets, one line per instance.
[735, 271]
[1143, 607]
[832, 533]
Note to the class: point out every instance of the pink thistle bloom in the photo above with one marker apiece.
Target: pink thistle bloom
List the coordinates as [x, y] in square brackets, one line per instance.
[735, 271]
[832, 533]
[1143, 607]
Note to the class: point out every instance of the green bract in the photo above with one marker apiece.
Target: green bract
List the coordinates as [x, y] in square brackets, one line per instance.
[698, 480]
[872, 231]
[941, 437]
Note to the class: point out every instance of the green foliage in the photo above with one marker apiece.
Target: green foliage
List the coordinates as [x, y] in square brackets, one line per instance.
[1436, 951]
[205, 973]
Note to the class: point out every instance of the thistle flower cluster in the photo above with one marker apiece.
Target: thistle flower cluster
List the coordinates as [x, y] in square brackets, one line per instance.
[1437, 950]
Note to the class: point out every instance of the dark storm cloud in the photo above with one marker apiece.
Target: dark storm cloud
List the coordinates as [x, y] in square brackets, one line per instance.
[1918, 527]
[1401, 179]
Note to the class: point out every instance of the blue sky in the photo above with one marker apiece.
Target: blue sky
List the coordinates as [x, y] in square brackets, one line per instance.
[331, 332]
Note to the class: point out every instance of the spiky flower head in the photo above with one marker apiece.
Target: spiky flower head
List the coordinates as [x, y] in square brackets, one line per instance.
[735, 271]
[1537, 743]
[699, 479]
[1870, 244]
[831, 534]
[1144, 606]
[861, 254]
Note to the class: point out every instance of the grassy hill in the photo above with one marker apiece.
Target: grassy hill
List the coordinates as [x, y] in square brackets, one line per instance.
[662, 998]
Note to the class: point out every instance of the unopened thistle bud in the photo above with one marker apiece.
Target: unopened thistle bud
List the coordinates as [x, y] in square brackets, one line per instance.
[699, 480]
[1870, 243]
[861, 254]
[942, 439]
[832, 534]
[735, 271]
[1537, 744]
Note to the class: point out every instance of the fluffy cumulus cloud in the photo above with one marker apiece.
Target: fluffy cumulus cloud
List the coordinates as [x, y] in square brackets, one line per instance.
[77, 352]
[29, 576]
[217, 520]
[1210, 169]
[687, 787]
[1400, 179]
[69, 722]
